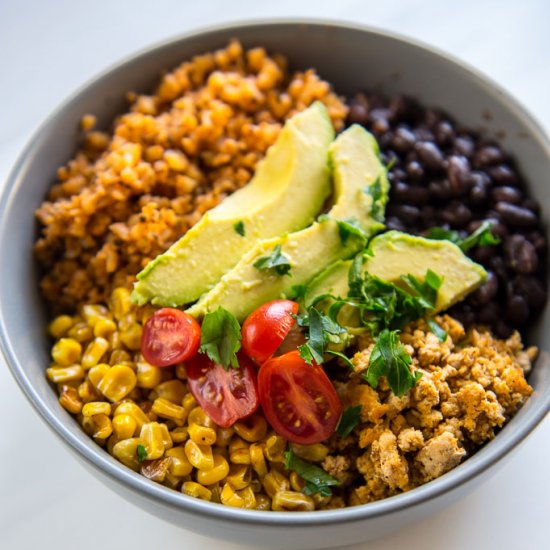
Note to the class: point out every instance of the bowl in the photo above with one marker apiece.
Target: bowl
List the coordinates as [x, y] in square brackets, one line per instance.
[351, 58]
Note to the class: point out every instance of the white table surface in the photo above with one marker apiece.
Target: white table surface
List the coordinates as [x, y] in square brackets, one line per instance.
[50, 47]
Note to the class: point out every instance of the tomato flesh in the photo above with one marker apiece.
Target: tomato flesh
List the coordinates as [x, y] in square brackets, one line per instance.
[170, 336]
[265, 329]
[225, 395]
[298, 399]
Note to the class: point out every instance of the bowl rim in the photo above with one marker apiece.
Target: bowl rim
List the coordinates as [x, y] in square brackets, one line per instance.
[483, 460]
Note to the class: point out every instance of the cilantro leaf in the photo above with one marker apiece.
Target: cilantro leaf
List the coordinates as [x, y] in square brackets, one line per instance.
[317, 480]
[347, 228]
[426, 292]
[221, 338]
[297, 293]
[141, 452]
[377, 207]
[276, 260]
[239, 228]
[482, 236]
[341, 356]
[390, 359]
[437, 330]
[349, 419]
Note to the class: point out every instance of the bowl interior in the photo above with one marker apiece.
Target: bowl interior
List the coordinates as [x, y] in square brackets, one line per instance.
[351, 59]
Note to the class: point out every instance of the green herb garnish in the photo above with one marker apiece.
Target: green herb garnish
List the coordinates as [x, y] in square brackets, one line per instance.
[378, 207]
[239, 228]
[390, 359]
[141, 452]
[437, 330]
[317, 480]
[347, 228]
[276, 260]
[297, 293]
[482, 236]
[221, 338]
[349, 419]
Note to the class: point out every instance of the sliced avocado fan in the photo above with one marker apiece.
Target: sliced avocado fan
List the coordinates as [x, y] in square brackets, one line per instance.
[394, 254]
[360, 194]
[288, 189]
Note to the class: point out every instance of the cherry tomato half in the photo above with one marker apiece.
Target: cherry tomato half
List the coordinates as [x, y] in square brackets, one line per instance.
[298, 399]
[266, 327]
[225, 395]
[170, 336]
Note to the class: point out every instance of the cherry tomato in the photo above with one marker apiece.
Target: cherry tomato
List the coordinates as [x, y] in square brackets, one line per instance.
[225, 395]
[170, 336]
[298, 399]
[266, 327]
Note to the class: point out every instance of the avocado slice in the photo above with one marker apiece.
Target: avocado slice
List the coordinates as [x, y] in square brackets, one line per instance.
[360, 195]
[288, 189]
[393, 254]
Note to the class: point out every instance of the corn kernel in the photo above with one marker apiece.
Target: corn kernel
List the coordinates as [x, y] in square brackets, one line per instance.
[240, 456]
[70, 400]
[196, 490]
[94, 313]
[127, 407]
[96, 374]
[117, 383]
[179, 434]
[66, 351]
[292, 501]
[244, 498]
[275, 447]
[252, 428]
[103, 427]
[312, 453]
[166, 438]
[166, 409]
[60, 326]
[126, 452]
[111, 442]
[96, 407]
[155, 470]
[121, 304]
[239, 476]
[224, 436]
[94, 352]
[257, 459]
[172, 390]
[263, 502]
[119, 356]
[152, 439]
[296, 482]
[200, 456]
[216, 474]
[198, 416]
[180, 372]
[117, 345]
[179, 465]
[104, 328]
[124, 426]
[189, 402]
[87, 392]
[148, 376]
[80, 332]
[87, 423]
[131, 336]
[65, 374]
[274, 482]
[202, 435]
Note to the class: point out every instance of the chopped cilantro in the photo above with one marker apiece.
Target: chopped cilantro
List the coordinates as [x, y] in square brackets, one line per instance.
[297, 293]
[239, 228]
[378, 207]
[390, 359]
[349, 419]
[221, 338]
[141, 452]
[317, 480]
[437, 330]
[341, 356]
[346, 228]
[482, 236]
[276, 260]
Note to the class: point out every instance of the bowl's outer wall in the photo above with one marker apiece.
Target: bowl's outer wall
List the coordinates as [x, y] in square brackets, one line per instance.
[351, 59]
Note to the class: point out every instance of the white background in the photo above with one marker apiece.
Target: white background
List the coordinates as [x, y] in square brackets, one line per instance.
[50, 47]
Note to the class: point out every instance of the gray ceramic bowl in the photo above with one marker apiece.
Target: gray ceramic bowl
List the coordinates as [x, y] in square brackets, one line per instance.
[351, 58]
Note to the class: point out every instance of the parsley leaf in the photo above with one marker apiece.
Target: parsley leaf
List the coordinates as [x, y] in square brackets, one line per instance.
[141, 452]
[482, 236]
[221, 338]
[297, 293]
[437, 330]
[375, 191]
[349, 419]
[347, 228]
[239, 228]
[389, 359]
[276, 260]
[317, 480]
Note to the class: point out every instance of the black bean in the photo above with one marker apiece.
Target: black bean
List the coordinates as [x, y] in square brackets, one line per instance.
[423, 134]
[464, 313]
[413, 194]
[405, 108]
[407, 213]
[385, 141]
[507, 194]
[489, 313]
[403, 140]
[396, 174]
[357, 113]
[498, 265]
[521, 255]
[538, 240]
[517, 310]
[440, 189]
[395, 224]
[415, 170]
[486, 292]
[479, 194]
[516, 216]
[497, 229]
[464, 145]
[430, 155]
[502, 329]
[532, 290]
[432, 117]
[488, 156]
[503, 175]
[458, 173]
[444, 133]
[482, 254]
[456, 214]
[531, 204]
[428, 215]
